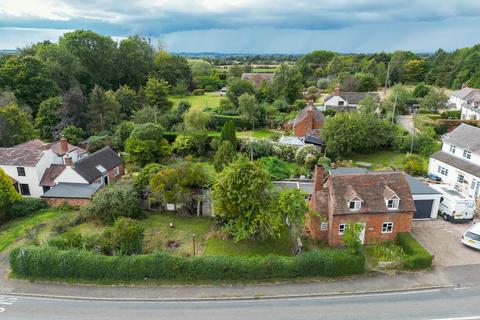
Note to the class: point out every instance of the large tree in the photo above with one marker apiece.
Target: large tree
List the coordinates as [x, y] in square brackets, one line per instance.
[103, 110]
[48, 117]
[16, 126]
[73, 111]
[146, 144]
[287, 83]
[135, 61]
[156, 94]
[196, 119]
[128, 100]
[172, 68]
[248, 108]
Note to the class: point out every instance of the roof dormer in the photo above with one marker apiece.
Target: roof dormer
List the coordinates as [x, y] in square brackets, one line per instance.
[392, 200]
[354, 202]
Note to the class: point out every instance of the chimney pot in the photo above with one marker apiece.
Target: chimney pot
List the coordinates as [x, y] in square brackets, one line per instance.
[63, 145]
[337, 90]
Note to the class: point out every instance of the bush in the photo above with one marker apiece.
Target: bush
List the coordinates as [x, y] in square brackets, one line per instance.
[199, 92]
[217, 121]
[124, 238]
[451, 115]
[26, 207]
[308, 155]
[50, 263]
[68, 240]
[413, 165]
[113, 202]
[278, 169]
[417, 256]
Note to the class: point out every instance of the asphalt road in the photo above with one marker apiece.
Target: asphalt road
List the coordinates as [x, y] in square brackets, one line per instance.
[458, 304]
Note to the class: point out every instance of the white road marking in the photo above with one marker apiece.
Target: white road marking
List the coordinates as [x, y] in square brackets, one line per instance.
[460, 318]
[2, 309]
[8, 301]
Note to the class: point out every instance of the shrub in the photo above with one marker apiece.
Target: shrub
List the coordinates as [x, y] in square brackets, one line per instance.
[451, 114]
[417, 256]
[217, 121]
[26, 207]
[124, 238]
[308, 155]
[142, 180]
[68, 240]
[413, 165]
[199, 92]
[351, 237]
[113, 202]
[278, 169]
[50, 263]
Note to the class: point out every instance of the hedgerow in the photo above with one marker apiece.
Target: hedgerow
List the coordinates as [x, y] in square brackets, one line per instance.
[417, 256]
[51, 263]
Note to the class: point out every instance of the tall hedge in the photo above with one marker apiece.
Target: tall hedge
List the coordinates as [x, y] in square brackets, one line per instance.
[50, 263]
[417, 256]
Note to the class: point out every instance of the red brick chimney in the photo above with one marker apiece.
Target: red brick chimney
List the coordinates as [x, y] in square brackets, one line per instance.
[68, 161]
[337, 91]
[318, 179]
[63, 145]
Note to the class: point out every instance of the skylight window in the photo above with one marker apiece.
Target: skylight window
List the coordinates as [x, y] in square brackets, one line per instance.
[101, 169]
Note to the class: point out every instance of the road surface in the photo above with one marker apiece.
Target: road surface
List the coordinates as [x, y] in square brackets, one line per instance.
[445, 304]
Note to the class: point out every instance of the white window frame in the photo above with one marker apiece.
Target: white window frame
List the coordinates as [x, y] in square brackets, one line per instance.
[357, 204]
[324, 226]
[460, 178]
[453, 148]
[116, 171]
[467, 154]
[442, 170]
[393, 204]
[387, 227]
[341, 229]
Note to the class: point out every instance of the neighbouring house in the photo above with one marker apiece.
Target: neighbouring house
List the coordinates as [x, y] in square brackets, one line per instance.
[458, 163]
[307, 122]
[425, 198]
[380, 201]
[257, 79]
[466, 100]
[345, 100]
[73, 194]
[36, 167]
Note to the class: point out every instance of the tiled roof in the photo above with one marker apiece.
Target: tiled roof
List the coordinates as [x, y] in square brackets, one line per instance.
[105, 157]
[464, 92]
[258, 78]
[20, 157]
[302, 114]
[57, 148]
[72, 190]
[49, 176]
[370, 189]
[464, 136]
[457, 163]
[35, 144]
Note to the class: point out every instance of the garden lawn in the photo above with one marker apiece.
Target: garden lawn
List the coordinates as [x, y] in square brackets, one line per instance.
[382, 160]
[14, 229]
[259, 134]
[248, 248]
[210, 99]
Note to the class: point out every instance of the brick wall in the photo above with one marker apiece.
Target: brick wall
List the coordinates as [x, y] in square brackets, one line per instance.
[74, 202]
[111, 175]
[402, 222]
[303, 127]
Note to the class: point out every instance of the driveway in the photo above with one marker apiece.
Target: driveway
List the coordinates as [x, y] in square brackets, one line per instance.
[442, 239]
[406, 122]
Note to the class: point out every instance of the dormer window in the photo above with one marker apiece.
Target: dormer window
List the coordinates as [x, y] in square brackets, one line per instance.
[355, 205]
[393, 204]
[453, 148]
[391, 199]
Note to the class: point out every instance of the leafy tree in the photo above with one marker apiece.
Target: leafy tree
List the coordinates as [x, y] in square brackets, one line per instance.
[146, 144]
[73, 111]
[156, 94]
[128, 100]
[292, 206]
[200, 67]
[135, 61]
[413, 165]
[179, 183]
[225, 155]
[348, 83]
[8, 194]
[415, 71]
[28, 78]
[95, 143]
[196, 119]
[126, 237]
[421, 90]
[228, 133]
[15, 126]
[172, 68]
[48, 117]
[434, 100]
[112, 202]
[366, 82]
[7, 97]
[248, 107]
[351, 236]
[403, 99]
[195, 143]
[103, 110]
[237, 87]
[308, 155]
[278, 169]
[97, 56]
[73, 134]
[142, 179]
[122, 132]
[368, 104]
[287, 83]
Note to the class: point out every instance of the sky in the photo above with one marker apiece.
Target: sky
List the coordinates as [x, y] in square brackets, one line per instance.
[252, 26]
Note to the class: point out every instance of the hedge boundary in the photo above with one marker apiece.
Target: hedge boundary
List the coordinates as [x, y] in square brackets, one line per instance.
[50, 263]
[417, 256]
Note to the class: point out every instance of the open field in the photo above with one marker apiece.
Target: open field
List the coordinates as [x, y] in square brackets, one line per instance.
[209, 99]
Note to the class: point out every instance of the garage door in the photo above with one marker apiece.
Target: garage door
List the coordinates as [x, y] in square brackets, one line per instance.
[424, 209]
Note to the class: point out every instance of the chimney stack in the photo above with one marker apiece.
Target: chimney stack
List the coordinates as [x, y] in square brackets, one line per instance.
[337, 90]
[68, 161]
[318, 179]
[464, 85]
[63, 145]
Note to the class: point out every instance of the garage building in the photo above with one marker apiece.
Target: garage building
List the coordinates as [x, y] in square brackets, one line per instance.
[426, 199]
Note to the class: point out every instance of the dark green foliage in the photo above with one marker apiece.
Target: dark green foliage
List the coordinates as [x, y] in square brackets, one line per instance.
[226, 154]
[15, 126]
[217, 121]
[95, 143]
[228, 133]
[26, 207]
[122, 132]
[278, 169]
[113, 202]
[196, 143]
[48, 117]
[142, 180]
[418, 257]
[66, 241]
[124, 238]
[73, 134]
[146, 144]
[421, 90]
[451, 115]
[366, 82]
[50, 263]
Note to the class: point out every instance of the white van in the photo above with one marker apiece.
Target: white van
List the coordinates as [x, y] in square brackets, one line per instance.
[454, 206]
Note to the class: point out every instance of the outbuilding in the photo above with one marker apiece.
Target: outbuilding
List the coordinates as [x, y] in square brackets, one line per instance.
[426, 199]
[73, 194]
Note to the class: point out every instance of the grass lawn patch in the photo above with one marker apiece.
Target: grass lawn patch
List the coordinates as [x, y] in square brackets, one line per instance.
[248, 248]
[159, 236]
[383, 160]
[14, 229]
[385, 252]
[209, 99]
[264, 133]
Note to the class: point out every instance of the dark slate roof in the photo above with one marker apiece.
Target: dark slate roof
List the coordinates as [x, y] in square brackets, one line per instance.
[354, 97]
[464, 92]
[105, 157]
[49, 176]
[302, 114]
[417, 187]
[72, 190]
[314, 140]
[457, 163]
[343, 171]
[465, 136]
[305, 186]
[370, 188]
[20, 157]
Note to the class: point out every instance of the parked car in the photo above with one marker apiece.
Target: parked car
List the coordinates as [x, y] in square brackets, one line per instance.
[454, 206]
[471, 237]
[434, 177]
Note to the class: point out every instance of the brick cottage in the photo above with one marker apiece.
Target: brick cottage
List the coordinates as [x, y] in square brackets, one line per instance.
[381, 201]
